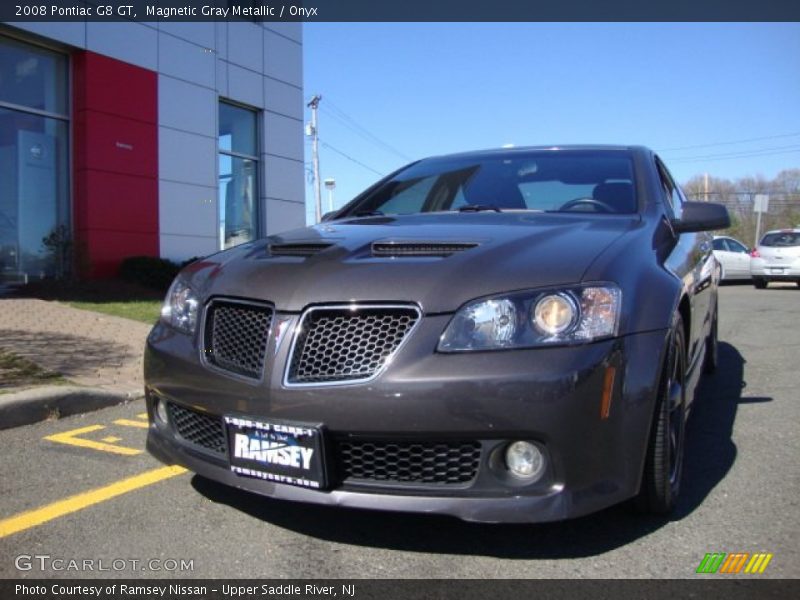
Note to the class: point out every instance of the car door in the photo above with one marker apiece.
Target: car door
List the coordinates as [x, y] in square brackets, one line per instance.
[698, 266]
[739, 259]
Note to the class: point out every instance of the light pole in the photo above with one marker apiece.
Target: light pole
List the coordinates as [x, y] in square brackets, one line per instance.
[330, 185]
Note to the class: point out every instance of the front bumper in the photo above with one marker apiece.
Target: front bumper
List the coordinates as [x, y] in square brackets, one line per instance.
[551, 396]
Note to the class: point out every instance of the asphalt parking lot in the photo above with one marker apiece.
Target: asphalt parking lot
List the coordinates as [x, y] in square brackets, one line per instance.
[83, 489]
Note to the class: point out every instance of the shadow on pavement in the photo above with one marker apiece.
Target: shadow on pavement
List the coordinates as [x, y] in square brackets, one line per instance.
[710, 455]
[69, 355]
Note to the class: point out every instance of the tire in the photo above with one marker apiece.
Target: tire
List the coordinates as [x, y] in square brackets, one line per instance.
[711, 360]
[661, 479]
[760, 283]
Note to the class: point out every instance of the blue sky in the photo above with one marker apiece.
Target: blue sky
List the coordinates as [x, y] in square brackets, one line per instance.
[394, 92]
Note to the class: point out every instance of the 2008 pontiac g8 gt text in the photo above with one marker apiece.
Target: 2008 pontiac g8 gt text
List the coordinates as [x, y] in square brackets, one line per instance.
[509, 335]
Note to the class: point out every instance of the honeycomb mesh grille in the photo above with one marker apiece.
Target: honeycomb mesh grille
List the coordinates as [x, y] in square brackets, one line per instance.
[443, 463]
[198, 428]
[342, 344]
[236, 337]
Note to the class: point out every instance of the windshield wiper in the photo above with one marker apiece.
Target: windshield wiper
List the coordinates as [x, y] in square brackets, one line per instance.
[368, 213]
[478, 208]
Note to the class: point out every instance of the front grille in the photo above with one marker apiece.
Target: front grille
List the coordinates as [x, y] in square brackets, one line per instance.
[198, 428]
[347, 344]
[439, 249]
[236, 336]
[442, 463]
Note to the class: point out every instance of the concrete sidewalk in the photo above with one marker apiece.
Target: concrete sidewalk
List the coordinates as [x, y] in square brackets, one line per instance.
[101, 354]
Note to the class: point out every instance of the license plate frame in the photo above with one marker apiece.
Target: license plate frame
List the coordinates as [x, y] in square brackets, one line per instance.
[279, 451]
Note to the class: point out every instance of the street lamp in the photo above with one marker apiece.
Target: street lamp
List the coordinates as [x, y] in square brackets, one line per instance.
[330, 185]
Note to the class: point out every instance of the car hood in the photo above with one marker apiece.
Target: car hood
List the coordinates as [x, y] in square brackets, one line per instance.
[405, 259]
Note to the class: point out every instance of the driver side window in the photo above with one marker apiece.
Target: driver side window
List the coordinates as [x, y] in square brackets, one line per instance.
[673, 196]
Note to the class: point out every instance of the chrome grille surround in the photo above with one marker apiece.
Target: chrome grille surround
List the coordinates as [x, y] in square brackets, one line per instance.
[235, 336]
[347, 343]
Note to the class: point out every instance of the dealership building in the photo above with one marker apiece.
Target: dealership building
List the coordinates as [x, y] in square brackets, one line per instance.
[162, 139]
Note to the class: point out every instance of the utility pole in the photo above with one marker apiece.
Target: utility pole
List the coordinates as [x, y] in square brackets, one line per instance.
[314, 132]
[705, 179]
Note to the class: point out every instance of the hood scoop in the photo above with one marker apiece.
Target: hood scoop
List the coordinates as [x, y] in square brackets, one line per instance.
[418, 248]
[297, 249]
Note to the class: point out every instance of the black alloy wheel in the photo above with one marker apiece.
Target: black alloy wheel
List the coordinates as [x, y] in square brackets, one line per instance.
[664, 462]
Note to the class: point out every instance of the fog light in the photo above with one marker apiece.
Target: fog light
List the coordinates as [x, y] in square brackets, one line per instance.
[160, 410]
[525, 460]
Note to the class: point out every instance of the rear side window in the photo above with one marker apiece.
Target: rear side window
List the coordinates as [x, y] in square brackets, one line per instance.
[781, 238]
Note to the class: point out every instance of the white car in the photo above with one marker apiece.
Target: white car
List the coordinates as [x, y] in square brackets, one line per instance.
[776, 258]
[733, 257]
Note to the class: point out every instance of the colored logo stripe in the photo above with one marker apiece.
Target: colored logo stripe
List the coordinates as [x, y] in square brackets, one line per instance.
[758, 563]
[733, 563]
[711, 562]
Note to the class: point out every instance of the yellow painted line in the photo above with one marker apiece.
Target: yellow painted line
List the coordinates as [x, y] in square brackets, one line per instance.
[110, 439]
[141, 416]
[71, 438]
[35, 517]
[129, 423]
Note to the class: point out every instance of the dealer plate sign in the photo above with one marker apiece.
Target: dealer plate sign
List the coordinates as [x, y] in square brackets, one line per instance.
[282, 452]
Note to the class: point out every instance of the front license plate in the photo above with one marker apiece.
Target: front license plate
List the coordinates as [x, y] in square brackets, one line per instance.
[282, 452]
[776, 271]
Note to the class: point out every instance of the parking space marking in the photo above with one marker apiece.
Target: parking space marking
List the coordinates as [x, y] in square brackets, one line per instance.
[71, 438]
[111, 439]
[130, 423]
[38, 516]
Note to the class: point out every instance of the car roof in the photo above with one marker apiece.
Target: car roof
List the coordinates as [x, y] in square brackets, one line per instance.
[786, 230]
[497, 152]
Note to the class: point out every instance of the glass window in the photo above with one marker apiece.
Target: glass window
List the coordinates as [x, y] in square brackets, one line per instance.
[237, 129]
[238, 175]
[33, 77]
[34, 186]
[568, 181]
[735, 246]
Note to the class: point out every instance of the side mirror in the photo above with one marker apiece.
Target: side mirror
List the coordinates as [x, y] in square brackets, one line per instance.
[702, 216]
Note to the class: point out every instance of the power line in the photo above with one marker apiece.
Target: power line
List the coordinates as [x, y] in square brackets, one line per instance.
[742, 154]
[350, 158]
[758, 139]
[348, 121]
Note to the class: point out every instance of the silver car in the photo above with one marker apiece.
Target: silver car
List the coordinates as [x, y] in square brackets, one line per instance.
[733, 257]
[776, 258]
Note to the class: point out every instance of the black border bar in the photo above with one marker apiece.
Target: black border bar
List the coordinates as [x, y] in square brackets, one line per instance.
[730, 587]
[267, 11]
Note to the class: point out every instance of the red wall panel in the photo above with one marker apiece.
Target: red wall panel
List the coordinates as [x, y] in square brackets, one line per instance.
[115, 158]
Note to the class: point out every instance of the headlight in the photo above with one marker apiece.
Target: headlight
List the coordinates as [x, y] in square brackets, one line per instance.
[180, 307]
[527, 319]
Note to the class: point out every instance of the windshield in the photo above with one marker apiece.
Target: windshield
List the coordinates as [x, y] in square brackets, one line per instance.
[553, 181]
[782, 238]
